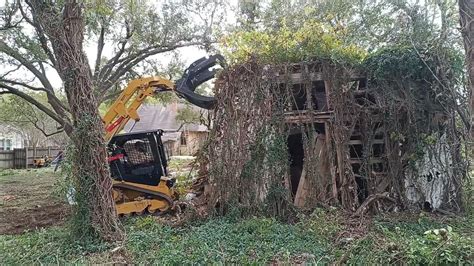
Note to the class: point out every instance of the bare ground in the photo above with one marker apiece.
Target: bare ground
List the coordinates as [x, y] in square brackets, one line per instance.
[27, 201]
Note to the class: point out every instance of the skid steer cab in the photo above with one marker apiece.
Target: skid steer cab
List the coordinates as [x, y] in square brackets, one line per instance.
[138, 166]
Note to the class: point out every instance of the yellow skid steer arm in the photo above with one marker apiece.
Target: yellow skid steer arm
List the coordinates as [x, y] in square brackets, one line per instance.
[132, 97]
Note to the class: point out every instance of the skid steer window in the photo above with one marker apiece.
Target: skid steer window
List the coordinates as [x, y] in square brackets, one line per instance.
[138, 151]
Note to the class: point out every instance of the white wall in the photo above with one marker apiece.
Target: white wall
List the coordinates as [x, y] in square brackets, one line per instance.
[9, 135]
[431, 181]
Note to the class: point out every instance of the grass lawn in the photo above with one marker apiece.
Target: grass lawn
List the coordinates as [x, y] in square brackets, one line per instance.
[34, 231]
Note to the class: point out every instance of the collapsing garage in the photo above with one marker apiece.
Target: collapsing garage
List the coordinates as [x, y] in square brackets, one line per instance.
[325, 133]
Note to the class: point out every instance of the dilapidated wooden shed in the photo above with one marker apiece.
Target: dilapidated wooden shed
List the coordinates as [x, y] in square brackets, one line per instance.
[322, 133]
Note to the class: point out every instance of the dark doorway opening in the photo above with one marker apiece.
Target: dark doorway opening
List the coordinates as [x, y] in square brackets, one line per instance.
[296, 151]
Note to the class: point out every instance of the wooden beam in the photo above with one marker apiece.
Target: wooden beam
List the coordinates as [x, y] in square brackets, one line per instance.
[330, 157]
[306, 116]
[371, 161]
[359, 142]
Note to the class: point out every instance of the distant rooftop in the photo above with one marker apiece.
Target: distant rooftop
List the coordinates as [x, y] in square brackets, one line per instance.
[159, 116]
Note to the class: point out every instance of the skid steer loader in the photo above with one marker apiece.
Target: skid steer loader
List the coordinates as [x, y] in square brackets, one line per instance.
[138, 161]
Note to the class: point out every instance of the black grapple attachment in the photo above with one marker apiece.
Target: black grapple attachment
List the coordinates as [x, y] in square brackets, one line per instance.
[196, 74]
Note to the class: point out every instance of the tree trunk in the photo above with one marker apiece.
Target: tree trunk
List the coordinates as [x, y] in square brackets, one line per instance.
[466, 15]
[95, 209]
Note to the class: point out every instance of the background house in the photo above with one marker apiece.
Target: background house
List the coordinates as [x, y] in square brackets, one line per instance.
[180, 138]
[25, 135]
[10, 138]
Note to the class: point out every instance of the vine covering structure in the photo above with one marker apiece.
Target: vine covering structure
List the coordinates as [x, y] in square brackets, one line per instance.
[382, 135]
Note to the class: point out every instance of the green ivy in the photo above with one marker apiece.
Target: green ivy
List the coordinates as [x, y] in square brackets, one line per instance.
[312, 40]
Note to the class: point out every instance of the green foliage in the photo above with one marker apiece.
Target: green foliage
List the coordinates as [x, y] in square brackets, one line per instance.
[311, 40]
[421, 242]
[84, 180]
[393, 63]
[440, 246]
[316, 238]
[50, 246]
[278, 202]
[269, 159]
[80, 223]
[252, 168]
[150, 22]
[325, 223]
[366, 23]
[184, 173]
[250, 241]
[6, 172]
[188, 115]
[277, 153]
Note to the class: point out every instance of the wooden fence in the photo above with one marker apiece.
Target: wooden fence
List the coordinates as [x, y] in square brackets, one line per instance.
[23, 158]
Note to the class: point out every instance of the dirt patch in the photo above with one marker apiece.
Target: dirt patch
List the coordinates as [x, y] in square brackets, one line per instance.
[17, 220]
[27, 202]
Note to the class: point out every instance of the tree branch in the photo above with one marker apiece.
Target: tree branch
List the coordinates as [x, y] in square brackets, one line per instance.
[9, 13]
[41, 36]
[44, 131]
[105, 71]
[11, 71]
[17, 56]
[58, 108]
[51, 96]
[130, 61]
[14, 82]
[110, 96]
[100, 47]
[61, 120]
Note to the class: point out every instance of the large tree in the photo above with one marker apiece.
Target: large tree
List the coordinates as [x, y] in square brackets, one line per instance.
[46, 39]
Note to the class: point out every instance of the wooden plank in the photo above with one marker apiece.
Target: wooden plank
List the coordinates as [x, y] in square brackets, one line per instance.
[340, 166]
[6, 159]
[301, 192]
[304, 188]
[306, 116]
[313, 112]
[297, 78]
[26, 157]
[332, 167]
[359, 142]
[384, 182]
[327, 89]
[19, 158]
[371, 161]
[304, 119]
